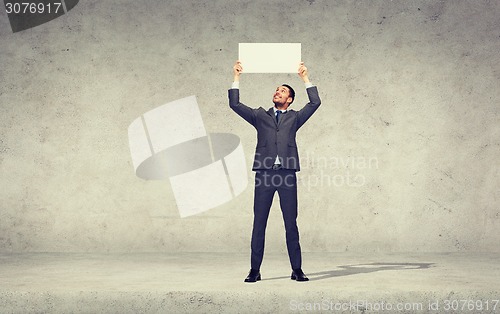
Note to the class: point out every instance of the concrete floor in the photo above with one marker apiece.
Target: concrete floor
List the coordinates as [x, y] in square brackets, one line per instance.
[201, 283]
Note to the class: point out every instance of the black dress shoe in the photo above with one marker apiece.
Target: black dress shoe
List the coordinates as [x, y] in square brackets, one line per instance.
[253, 276]
[298, 275]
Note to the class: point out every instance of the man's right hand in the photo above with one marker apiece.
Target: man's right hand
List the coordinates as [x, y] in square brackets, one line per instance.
[237, 70]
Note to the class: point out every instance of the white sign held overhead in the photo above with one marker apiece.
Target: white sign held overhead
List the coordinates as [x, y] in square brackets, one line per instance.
[270, 57]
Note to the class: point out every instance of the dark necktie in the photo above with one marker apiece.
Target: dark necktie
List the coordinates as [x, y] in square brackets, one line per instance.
[278, 113]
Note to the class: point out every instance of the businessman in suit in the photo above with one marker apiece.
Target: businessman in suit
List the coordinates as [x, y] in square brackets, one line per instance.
[275, 164]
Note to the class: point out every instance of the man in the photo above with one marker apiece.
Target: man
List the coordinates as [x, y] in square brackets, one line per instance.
[275, 163]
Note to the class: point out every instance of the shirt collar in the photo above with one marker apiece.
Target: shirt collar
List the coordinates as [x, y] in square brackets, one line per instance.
[282, 111]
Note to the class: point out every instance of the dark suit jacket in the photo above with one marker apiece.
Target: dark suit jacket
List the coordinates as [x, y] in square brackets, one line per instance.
[275, 138]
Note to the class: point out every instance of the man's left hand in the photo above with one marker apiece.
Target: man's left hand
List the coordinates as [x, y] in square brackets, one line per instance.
[303, 72]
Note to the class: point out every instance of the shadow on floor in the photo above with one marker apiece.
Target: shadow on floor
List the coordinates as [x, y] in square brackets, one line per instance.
[347, 270]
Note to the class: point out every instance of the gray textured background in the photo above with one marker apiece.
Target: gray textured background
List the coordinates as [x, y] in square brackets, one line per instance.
[413, 85]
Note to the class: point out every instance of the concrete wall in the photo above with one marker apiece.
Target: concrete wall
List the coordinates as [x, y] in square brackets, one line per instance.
[402, 155]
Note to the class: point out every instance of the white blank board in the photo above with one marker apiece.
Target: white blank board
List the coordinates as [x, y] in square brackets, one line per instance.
[270, 57]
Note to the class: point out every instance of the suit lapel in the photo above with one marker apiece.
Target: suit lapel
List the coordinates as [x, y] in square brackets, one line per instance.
[282, 116]
[270, 112]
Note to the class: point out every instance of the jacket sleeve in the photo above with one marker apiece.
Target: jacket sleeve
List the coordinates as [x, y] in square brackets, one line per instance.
[242, 110]
[314, 101]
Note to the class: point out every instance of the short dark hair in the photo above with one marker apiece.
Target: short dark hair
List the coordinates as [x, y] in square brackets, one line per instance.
[292, 92]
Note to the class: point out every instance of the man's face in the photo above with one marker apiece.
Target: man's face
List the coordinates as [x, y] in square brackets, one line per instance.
[281, 97]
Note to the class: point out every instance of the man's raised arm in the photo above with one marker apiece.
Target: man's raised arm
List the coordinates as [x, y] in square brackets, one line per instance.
[243, 111]
[312, 92]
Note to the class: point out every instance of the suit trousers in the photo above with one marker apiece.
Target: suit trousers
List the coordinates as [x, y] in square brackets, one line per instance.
[267, 182]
